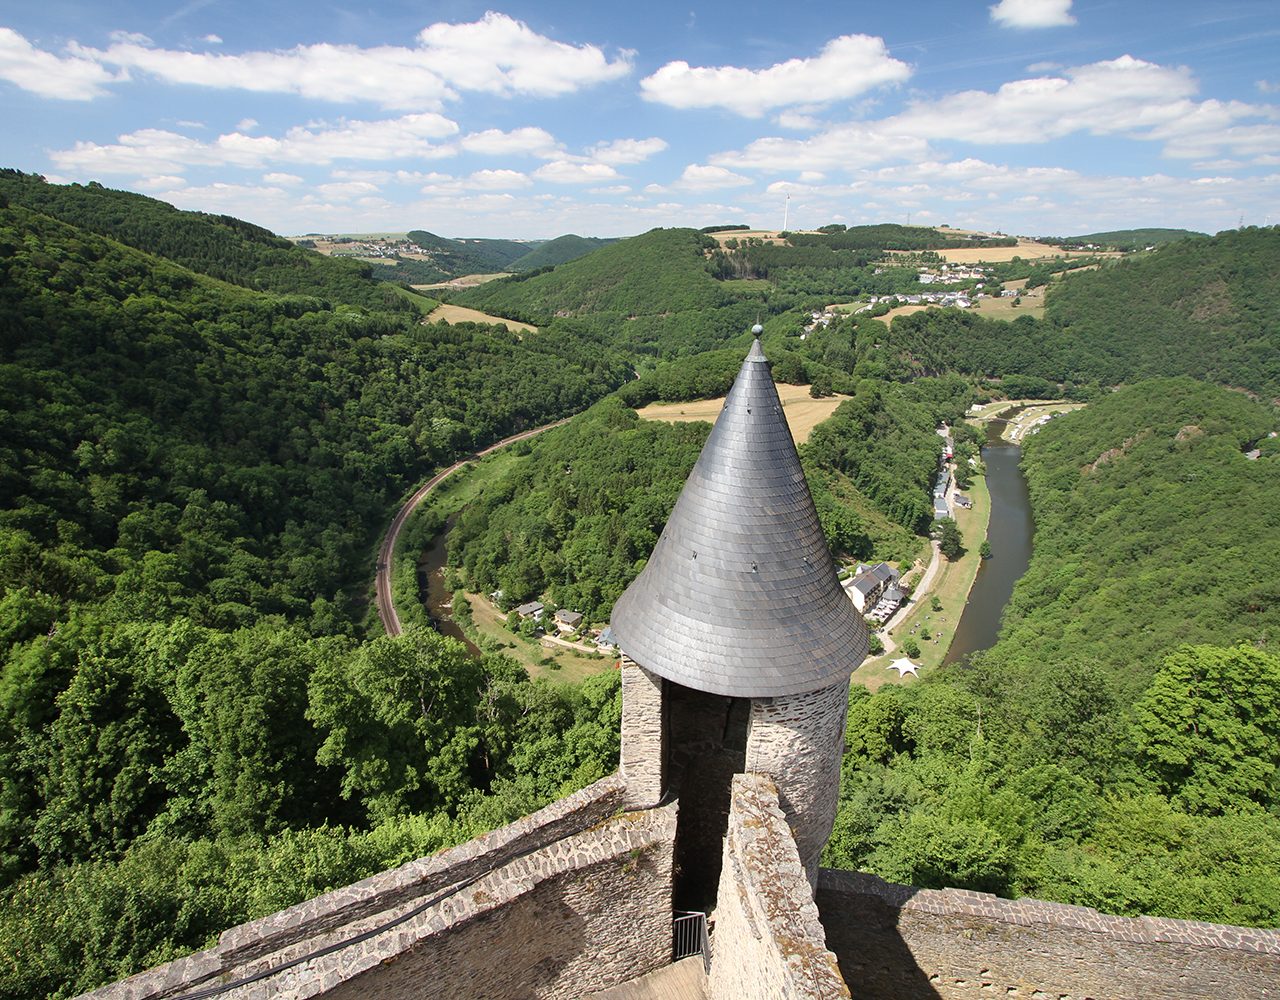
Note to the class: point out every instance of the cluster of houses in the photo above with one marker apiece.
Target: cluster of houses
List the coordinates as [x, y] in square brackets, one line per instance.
[959, 300]
[817, 319]
[953, 272]
[874, 591]
[378, 248]
[566, 622]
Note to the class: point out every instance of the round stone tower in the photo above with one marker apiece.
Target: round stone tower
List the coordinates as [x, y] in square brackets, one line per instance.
[738, 641]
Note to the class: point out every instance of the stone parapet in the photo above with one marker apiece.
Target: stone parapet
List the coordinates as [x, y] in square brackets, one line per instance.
[899, 943]
[768, 941]
[330, 920]
[644, 736]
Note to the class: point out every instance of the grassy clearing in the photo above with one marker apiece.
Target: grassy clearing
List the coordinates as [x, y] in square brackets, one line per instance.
[1017, 428]
[461, 314]
[424, 303]
[993, 308]
[767, 235]
[904, 311]
[951, 587]
[803, 412]
[554, 663]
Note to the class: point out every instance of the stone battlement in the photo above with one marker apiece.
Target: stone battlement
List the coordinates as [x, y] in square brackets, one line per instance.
[575, 896]
[900, 943]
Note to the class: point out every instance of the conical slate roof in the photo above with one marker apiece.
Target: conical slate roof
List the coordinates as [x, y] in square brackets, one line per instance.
[740, 595]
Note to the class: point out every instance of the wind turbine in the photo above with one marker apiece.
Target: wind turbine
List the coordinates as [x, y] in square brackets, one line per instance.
[786, 211]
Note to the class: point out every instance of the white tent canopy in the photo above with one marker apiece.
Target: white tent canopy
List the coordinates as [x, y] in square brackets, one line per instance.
[904, 667]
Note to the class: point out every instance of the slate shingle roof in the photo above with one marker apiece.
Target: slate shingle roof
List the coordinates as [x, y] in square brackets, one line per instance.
[740, 595]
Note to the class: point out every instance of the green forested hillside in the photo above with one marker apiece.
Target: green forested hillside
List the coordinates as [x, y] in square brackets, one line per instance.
[215, 245]
[561, 250]
[1209, 308]
[474, 256]
[888, 236]
[577, 522]
[1128, 239]
[1091, 757]
[1152, 529]
[192, 479]
[662, 271]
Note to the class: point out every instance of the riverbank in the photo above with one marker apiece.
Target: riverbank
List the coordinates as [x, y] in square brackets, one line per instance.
[951, 587]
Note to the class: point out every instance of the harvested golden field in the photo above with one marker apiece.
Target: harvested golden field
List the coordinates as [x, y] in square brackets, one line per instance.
[465, 281]
[461, 314]
[768, 235]
[1026, 249]
[802, 411]
[902, 311]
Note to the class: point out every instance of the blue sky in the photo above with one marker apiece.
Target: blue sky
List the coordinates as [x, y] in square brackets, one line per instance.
[529, 120]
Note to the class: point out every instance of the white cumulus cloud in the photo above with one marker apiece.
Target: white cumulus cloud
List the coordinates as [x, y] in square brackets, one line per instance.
[841, 147]
[568, 172]
[701, 177]
[70, 78]
[495, 142]
[846, 66]
[1032, 13]
[496, 55]
[621, 151]
[497, 180]
[149, 151]
[1124, 96]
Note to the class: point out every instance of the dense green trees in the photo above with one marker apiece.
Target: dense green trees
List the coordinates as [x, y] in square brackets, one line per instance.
[884, 440]
[216, 245]
[180, 446]
[192, 477]
[1216, 299]
[577, 521]
[1091, 756]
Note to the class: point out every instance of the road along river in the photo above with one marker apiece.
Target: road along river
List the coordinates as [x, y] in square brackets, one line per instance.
[387, 550]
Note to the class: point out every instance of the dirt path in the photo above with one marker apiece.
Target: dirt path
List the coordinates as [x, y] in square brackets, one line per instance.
[387, 551]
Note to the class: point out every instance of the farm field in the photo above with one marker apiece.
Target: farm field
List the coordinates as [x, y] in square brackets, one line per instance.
[768, 235]
[994, 308]
[1026, 249]
[461, 314]
[803, 412]
[465, 281]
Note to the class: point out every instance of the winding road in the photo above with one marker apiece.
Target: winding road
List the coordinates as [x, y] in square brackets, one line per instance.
[386, 552]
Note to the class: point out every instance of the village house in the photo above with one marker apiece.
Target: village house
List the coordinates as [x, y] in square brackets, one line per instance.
[868, 587]
[532, 610]
[568, 621]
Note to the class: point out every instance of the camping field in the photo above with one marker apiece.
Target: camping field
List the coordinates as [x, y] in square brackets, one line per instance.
[802, 411]
[461, 314]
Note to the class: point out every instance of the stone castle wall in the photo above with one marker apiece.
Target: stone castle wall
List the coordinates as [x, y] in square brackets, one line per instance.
[768, 941]
[575, 896]
[898, 943]
[800, 741]
[643, 761]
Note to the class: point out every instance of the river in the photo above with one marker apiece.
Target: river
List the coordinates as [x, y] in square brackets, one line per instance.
[432, 592]
[1009, 533]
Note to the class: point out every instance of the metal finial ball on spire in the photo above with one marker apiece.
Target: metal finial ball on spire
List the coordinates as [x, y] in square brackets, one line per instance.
[757, 330]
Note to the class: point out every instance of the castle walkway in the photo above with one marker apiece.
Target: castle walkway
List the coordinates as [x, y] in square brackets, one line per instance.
[685, 980]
